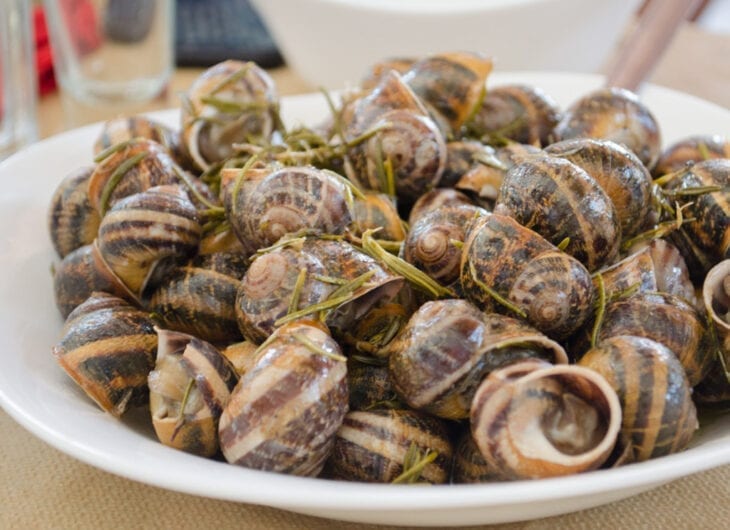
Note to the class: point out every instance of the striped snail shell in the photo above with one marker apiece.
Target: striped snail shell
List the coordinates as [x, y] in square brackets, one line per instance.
[715, 387]
[451, 84]
[284, 413]
[199, 298]
[666, 319]
[267, 289]
[435, 199]
[377, 71]
[125, 128]
[551, 288]
[378, 210]
[143, 230]
[189, 386]
[559, 200]
[370, 387]
[230, 102]
[434, 241]
[620, 174]
[689, 150]
[659, 415]
[532, 420]
[108, 348]
[79, 274]
[716, 298]
[131, 167]
[292, 199]
[613, 114]
[464, 160]
[374, 446]
[242, 355]
[447, 348]
[707, 238]
[520, 113]
[72, 222]
[469, 466]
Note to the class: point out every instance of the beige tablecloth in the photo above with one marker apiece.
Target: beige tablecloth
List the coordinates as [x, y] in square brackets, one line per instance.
[42, 488]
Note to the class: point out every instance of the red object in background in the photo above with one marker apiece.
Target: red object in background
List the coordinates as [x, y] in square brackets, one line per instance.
[43, 56]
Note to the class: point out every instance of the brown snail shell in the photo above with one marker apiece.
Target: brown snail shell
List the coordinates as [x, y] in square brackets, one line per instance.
[283, 414]
[370, 387]
[435, 199]
[144, 229]
[435, 240]
[619, 172]
[659, 417]
[451, 84]
[199, 298]
[715, 387]
[189, 386]
[371, 446]
[613, 114]
[72, 222]
[377, 71]
[689, 150]
[79, 274]
[716, 298]
[666, 319]
[447, 348]
[464, 160]
[230, 102]
[108, 347]
[293, 199]
[378, 211]
[553, 289]
[469, 466]
[241, 355]
[559, 200]
[532, 420]
[520, 113]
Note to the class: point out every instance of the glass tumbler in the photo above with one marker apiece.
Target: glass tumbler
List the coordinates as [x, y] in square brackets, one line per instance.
[18, 91]
[111, 57]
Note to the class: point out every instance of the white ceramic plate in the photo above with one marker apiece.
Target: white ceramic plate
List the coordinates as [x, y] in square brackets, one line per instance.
[35, 391]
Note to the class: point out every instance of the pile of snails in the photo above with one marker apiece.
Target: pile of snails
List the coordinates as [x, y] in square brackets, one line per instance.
[438, 283]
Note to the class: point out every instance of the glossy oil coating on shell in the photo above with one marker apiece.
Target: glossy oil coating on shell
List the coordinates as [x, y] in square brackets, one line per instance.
[613, 114]
[618, 171]
[447, 348]
[559, 200]
[108, 348]
[716, 298]
[681, 154]
[371, 446]
[293, 199]
[659, 417]
[284, 412]
[520, 113]
[553, 289]
[72, 222]
[200, 298]
[531, 420]
[143, 229]
[189, 387]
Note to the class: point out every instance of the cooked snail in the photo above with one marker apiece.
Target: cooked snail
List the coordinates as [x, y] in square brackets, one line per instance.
[683, 153]
[72, 222]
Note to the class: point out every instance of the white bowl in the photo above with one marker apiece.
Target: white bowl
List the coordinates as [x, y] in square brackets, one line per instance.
[331, 43]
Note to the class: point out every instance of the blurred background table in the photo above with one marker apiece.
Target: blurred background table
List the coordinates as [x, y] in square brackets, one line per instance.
[43, 488]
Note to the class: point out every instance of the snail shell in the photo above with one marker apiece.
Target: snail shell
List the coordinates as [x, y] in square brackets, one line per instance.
[435, 199]
[451, 84]
[72, 222]
[108, 348]
[469, 466]
[189, 386]
[199, 298]
[613, 114]
[143, 229]
[447, 348]
[559, 200]
[293, 199]
[371, 446]
[377, 210]
[716, 298]
[241, 355]
[464, 160]
[230, 102]
[370, 387]
[434, 241]
[667, 320]
[659, 417]
[532, 420]
[377, 71]
[681, 154]
[283, 414]
[521, 113]
[553, 289]
[619, 173]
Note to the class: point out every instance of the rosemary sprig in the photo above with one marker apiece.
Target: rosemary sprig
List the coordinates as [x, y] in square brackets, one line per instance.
[414, 463]
[115, 177]
[182, 175]
[234, 107]
[494, 294]
[564, 244]
[239, 181]
[704, 151]
[661, 230]
[693, 191]
[109, 151]
[297, 291]
[316, 349]
[601, 311]
[330, 303]
[183, 404]
[235, 76]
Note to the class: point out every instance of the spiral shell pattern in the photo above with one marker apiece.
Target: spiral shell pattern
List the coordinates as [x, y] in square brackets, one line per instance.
[659, 417]
[108, 348]
[143, 229]
[72, 222]
[284, 412]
